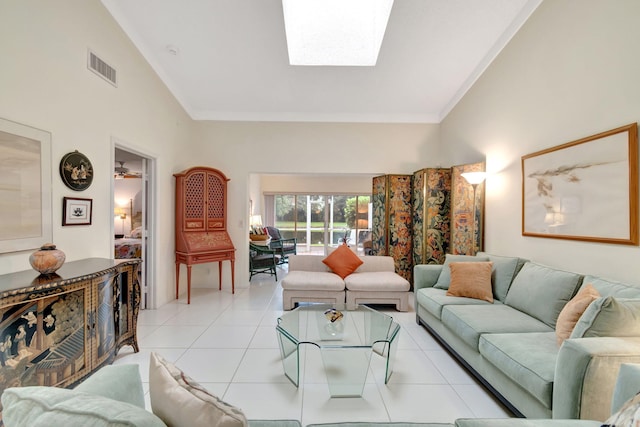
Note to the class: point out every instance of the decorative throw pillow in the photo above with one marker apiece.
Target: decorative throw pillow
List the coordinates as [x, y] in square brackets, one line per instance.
[609, 317]
[627, 416]
[571, 312]
[118, 382]
[471, 280]
[343, 261]
[180, 401]
[445, 274]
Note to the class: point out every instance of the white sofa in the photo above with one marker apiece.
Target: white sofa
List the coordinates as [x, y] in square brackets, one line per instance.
[374, 282]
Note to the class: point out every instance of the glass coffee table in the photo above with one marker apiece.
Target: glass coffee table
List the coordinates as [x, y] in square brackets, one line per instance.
[346, 339]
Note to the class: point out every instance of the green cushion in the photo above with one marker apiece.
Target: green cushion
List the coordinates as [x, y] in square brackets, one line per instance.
[542, 291]
[503, 272]
[118, 382]
[433, 300]
[520, 422]
[468, 322]
[445, 275]
[379, 424]
[52, 406]
[611, 288]
[627, 385]
[609, 317]
[274, 423]
[529, 359]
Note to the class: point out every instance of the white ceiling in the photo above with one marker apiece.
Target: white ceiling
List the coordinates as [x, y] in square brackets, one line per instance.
[232, 59]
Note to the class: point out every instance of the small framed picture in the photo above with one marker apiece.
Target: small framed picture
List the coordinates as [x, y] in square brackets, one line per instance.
[76, 211]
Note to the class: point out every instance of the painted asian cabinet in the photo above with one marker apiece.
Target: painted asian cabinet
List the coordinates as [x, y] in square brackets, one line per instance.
[57, 329]
[392, 217]
[431, 207]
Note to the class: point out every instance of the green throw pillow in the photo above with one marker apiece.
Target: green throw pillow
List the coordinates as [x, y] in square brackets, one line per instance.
[52, 406]
[118, 382]
[609, 317]
[542, 292]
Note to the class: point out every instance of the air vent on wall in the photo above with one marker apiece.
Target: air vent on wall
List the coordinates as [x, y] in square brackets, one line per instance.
[101, 68]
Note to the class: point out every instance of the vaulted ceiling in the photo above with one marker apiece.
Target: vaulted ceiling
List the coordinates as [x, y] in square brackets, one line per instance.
[227, 59]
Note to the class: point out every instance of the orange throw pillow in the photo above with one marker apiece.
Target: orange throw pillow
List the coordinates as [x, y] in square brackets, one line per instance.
[471, 280]
[572, 311]
[343, 261]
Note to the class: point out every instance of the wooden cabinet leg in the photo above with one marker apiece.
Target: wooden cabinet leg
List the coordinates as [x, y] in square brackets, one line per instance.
[177, 280]
[188, 284]
[219, 275]
[233, 278]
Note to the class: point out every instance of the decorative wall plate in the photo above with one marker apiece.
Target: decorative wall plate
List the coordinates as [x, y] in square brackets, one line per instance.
[76, 171]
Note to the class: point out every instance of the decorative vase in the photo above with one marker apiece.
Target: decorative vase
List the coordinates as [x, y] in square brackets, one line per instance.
[47, 259]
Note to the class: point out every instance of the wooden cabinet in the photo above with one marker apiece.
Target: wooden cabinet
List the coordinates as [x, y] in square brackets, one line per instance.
[201, 223]
[57, 329]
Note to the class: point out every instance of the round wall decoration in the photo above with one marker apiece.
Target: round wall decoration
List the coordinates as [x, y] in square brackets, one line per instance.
[76, 171]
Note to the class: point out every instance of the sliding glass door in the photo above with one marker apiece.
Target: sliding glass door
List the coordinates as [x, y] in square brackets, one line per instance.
[319, 221]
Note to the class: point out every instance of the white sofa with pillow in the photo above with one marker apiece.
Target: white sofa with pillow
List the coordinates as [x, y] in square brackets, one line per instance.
[342, 277]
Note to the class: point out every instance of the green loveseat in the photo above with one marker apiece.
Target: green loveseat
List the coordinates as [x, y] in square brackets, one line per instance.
[510, 344]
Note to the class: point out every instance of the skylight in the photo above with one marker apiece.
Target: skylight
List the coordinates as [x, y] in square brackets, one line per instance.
[335, 32]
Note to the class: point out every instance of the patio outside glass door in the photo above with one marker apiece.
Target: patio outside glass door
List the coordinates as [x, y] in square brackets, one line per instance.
[319, 221]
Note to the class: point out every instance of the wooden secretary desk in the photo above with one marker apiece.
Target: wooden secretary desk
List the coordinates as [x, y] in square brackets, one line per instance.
[201, 223]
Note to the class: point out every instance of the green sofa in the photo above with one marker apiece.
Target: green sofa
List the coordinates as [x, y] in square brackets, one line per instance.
[113, 396]
[510, 344]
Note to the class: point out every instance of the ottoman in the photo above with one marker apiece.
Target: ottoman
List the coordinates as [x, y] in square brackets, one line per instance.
[380, 287]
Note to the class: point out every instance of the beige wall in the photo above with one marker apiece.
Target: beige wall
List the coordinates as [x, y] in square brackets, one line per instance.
[572, 71]
[48, 86]
[44, 83]
[347, 183]
[244, 149]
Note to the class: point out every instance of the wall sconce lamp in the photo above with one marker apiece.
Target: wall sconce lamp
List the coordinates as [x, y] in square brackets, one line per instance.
[474, 178]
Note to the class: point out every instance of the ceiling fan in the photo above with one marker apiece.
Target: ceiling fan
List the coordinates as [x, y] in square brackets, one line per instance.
[120, 172]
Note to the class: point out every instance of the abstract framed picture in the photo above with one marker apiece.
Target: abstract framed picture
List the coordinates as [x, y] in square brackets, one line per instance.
[76, 211]
[584, 190]
[25, 187]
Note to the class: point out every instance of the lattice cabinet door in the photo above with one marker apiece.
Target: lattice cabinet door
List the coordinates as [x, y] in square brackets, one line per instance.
[194, 192]
[216, 201]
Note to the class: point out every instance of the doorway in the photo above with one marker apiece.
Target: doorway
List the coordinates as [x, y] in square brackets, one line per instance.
[133, 213]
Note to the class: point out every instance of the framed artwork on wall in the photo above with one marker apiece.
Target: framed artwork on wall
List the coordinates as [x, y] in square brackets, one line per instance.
[584, 190]
[76, 171]
[76, 211]
[25, 187]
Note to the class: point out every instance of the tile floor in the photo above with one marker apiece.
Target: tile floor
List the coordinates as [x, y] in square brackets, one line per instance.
[228, 344]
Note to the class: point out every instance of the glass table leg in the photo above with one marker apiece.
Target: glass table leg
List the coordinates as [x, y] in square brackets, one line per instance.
[290, 354]
[346, 370]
